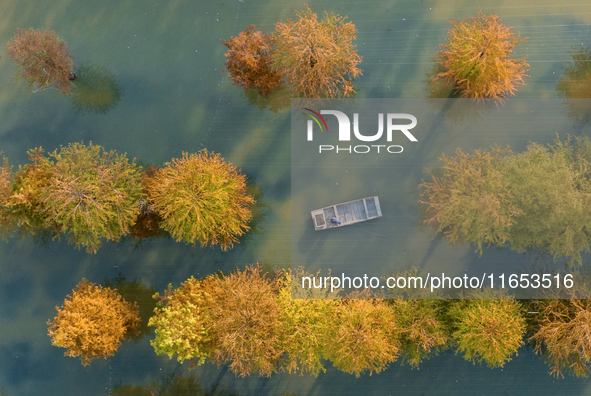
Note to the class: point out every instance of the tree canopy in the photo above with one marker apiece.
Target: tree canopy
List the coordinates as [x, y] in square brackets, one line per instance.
[93, 322]
[91, 194]
[487, 330]
[249, 62]
[42, 58]
[317, 58]
[200, 197]
[477, 58]
[536, 199]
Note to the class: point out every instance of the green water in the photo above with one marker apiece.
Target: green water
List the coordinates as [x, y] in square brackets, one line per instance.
[166, 58]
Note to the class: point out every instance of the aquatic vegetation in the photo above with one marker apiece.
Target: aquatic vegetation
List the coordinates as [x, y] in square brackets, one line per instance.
[477, 58]
[317, 58]
[249, 62]
[93, 322]
[42, 58]
[201, 198]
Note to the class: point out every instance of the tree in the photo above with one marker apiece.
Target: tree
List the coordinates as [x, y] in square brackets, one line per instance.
[201, 198]
[317, 58]
[423, 333]
[182, 320]
[249, 63]
[470, 202]
[366, 337]
[551, 186]
[562, 332]
[93, 322]
[487, 330]
[92, 194]
[308, 324]
[42, 58]
[26, 208]
[540, 198]
[245, 322]
[477, 58]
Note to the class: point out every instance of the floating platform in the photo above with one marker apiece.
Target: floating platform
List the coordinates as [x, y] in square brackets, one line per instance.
[347, 213]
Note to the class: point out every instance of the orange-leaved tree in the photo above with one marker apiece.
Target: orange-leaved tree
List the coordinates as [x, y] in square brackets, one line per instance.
[477, 58]
[42, 58]
[562, 333]
[366, 337]
[249, 62]
[200, 197]
[317, 58]
[93, 322]
[245, 322]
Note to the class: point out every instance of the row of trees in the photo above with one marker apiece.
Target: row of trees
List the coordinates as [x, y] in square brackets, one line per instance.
[538, 199]
[318, 59]
[91, 195]
[249, 321]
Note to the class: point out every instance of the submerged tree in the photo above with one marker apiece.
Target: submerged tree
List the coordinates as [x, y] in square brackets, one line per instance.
[201, 198]
[42, 58]
[576, 83]
[423, 333]
[471, 202]
[540, 198]
[477, 58]
[26, 208]
[181, 320]
[308, 324]
[93, 322]
[92, 194]
[249, 62]
[147, 224]
[317, 58]
[487, 330]
[562, 332]
[245, 322]
[366, 336]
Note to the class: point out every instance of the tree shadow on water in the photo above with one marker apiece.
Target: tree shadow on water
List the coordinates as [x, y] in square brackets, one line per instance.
[575, 84]
[258, 212]
[135, 291]
[95, 90]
